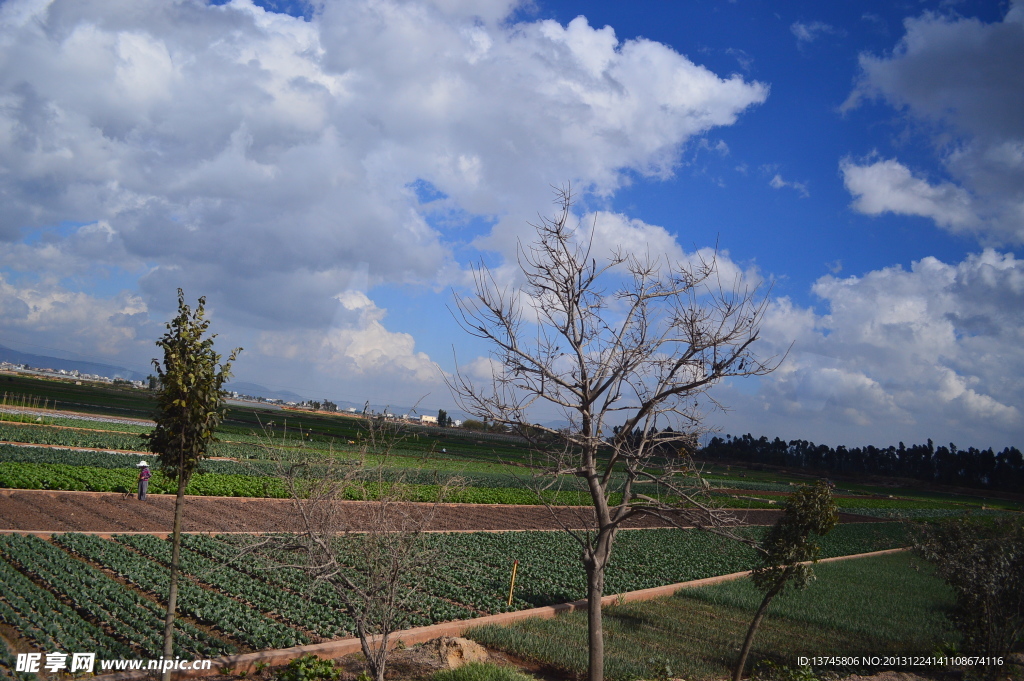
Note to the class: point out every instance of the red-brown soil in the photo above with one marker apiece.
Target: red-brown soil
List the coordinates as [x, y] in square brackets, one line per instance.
[51, 511]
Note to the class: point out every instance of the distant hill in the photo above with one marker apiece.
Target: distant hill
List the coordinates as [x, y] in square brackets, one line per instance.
[45, 362]
[257, 390]
[245, 388]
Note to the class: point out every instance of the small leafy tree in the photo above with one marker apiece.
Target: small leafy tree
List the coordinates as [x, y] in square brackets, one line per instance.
[983, 560]
[786, 549]
[190, 406]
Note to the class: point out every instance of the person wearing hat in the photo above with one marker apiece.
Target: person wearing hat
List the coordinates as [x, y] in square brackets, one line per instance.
[144, 476]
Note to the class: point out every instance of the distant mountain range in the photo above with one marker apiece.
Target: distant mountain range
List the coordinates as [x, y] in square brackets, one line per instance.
[256, 390]
[44, 362]
[244, 388]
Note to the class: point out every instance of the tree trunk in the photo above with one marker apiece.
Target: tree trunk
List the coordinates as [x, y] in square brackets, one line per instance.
[758, 616]
[375, 662]
[172, 593]
[380, 658]
[595, 561]
[595, 631]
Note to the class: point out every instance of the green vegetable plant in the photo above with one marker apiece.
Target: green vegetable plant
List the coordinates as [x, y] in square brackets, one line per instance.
[481, 671]
[768, 670]
[309, 668]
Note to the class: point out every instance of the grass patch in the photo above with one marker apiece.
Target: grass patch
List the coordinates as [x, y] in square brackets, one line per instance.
[845, 597]
[481, 671]
[696, 634]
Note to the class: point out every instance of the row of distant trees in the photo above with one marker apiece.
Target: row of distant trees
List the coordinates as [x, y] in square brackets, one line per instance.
[316, 405]
[969, 467]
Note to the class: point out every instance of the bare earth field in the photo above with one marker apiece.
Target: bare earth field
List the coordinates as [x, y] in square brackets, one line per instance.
[51, 511]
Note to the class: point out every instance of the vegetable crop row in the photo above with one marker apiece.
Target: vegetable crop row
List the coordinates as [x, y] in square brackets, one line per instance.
[315, 617]
[250, 467]
[471, 576]
[24, 475]
[20, 475]
[103, 599]
[39, 616]
[428, 607]
[228, 615]
[8, 664]
[69, 437]
[923, 513]
[731, 483]
[869, 502]
[98, 439]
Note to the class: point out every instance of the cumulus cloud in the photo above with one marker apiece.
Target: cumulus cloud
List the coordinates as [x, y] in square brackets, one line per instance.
[360, 347]
[934, 352]
[960, 77]
[43, 312]
[890, 187]
[606, 234]
[617, 233]
[260, 159]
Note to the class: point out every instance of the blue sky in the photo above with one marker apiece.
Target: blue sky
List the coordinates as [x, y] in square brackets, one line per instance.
[326, 173]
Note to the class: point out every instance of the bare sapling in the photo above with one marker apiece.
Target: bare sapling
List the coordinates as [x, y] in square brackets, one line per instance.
[360, 533]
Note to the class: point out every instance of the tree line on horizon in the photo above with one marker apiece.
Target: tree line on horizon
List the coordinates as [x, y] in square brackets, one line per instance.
[950, 465]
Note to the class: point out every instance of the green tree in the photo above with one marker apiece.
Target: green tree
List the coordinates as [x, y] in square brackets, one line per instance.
[983, 560]
[786, 550]
[190, 406]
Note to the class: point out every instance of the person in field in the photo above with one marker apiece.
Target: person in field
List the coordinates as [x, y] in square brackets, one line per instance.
[144, 476]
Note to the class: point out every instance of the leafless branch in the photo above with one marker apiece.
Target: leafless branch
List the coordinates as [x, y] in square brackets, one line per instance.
[626, 348]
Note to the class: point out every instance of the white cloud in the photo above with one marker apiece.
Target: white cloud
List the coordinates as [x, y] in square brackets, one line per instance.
[809, 32]
[615, 232]
[482, 370]
[935, 352]
[890, 187]
[608, 233]
[778, 183]
[363, 349]
[961, 77]
[262, 160]
[43, 312]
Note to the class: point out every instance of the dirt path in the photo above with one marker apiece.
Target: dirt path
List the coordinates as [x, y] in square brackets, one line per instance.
[49, 511]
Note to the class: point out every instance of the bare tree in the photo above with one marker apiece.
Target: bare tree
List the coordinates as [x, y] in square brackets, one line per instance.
[375, 554]
[625, 368]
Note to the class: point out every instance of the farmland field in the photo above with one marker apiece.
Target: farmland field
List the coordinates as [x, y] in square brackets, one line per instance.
[695, 634]
[57, 511]
[106, 593]
[70, 590]
[494, 468]
[104, 461]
